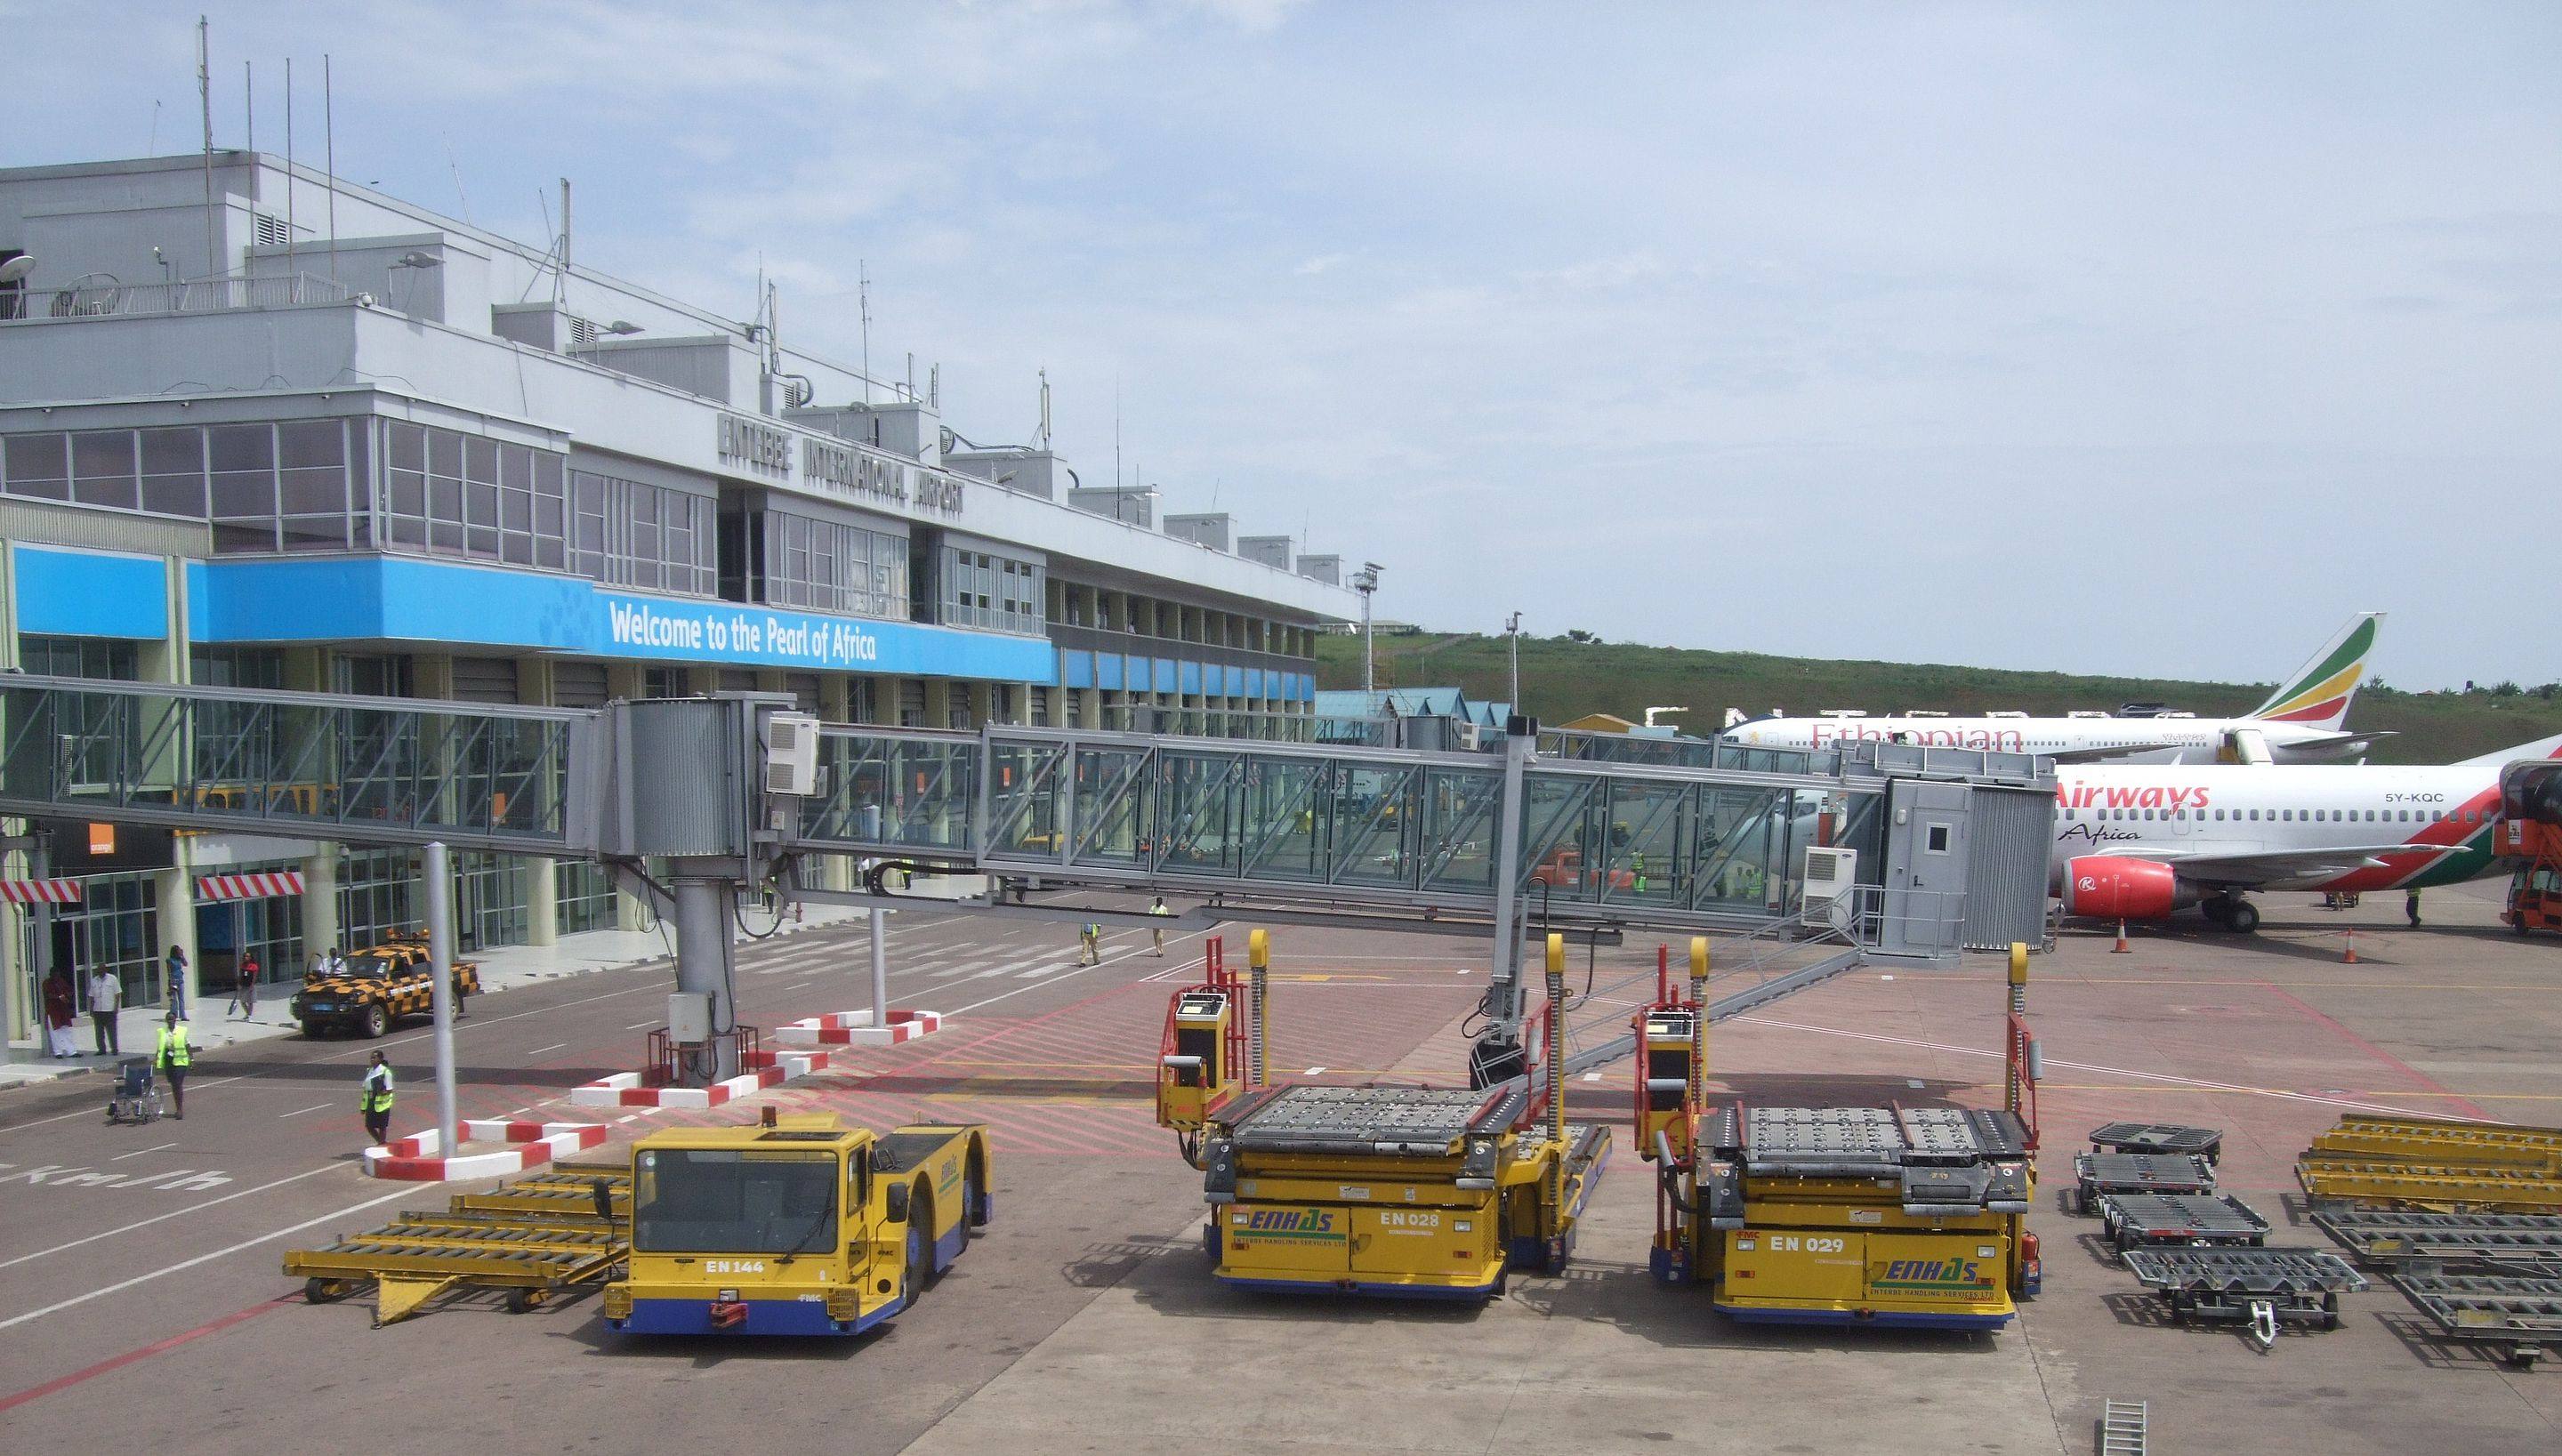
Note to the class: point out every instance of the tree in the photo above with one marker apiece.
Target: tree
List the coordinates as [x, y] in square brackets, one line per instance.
[1578, 635]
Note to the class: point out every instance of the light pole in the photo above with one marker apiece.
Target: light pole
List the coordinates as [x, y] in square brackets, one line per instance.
[1512, 629]
[1366, 581]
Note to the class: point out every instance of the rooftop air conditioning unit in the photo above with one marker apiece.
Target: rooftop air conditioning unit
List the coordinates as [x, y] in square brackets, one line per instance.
[792, 754]
[1830, 876]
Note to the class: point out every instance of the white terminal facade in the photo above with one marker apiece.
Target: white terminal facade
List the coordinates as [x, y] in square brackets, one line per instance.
[313, 438]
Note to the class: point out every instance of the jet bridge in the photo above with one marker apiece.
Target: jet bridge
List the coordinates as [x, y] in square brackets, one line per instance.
[1452, 840]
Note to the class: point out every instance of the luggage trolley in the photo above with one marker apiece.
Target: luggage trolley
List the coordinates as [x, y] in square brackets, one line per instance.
[137, 1098]
[2099, 1175]
[2181, 1221]
[2263, 1287]
[2134, 1137]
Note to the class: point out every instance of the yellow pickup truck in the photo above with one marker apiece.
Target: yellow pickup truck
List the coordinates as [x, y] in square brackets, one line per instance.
[799, 1224]
[381, 985]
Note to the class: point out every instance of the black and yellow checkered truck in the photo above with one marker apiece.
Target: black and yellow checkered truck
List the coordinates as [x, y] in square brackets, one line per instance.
[382, 984]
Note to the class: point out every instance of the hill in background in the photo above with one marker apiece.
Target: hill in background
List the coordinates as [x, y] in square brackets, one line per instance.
[1562, 678]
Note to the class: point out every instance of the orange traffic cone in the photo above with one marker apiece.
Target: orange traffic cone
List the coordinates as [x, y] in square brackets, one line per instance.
[2348, 956]
[2123, 948]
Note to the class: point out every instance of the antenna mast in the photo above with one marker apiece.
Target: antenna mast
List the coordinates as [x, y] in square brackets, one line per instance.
[863, 297]
[205, 96]
[330, 159]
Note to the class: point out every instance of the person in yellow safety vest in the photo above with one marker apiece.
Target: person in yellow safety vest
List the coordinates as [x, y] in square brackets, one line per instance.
[1090, 938]
[1638, 863]
[1159, 932]
[377, 1101]
[171, 1057]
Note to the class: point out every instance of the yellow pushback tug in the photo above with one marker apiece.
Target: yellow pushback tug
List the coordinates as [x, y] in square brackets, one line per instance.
[1407, 1191]
[799, 1224]
[1883, 1215]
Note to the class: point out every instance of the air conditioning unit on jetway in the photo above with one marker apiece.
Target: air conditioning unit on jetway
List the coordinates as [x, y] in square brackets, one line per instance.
[791, 754]
[1830, 876]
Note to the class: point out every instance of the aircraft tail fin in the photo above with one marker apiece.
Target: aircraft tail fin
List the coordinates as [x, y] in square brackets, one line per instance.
[2542, 748]
[2318, 693]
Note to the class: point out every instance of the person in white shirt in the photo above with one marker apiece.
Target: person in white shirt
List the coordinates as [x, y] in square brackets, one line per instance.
[105, 999]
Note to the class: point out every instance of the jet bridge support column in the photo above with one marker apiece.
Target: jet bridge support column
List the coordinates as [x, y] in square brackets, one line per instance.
[704, 907]
[1497, 1054]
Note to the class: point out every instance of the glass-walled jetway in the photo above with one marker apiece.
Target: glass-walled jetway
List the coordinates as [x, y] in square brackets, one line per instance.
[316, 765]
[1621, 841]
[1710, 846]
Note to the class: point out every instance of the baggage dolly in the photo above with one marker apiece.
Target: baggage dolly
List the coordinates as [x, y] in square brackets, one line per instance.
[2099, 1175]
[2261, 1287]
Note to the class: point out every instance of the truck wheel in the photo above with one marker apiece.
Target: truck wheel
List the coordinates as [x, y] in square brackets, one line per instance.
[378, 1019]
[314, 1030]
[916, 1267]
[968, 1205]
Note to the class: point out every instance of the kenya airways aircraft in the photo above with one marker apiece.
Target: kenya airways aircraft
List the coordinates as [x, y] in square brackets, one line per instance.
[2299, 723]
[2140, 842]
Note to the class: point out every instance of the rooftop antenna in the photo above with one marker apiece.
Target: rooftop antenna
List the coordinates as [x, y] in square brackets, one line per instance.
[560, 280]
[863, 299]
[152, 147]
[205, 96]
[291, 186]
[248, 107]
[1042, 438]
[329, 145]
[459, 195]
[1116, 437]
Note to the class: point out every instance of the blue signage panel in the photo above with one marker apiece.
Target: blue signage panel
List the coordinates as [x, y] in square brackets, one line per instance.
[401, 599]
[1075, 670]
[91, 594]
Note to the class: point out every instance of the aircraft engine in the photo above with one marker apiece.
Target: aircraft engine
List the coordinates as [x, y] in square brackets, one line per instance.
[2113, 887]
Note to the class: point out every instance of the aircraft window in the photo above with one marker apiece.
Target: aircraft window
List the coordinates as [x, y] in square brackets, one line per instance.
[2288, 815]
[2219, 816]
[2370, 816]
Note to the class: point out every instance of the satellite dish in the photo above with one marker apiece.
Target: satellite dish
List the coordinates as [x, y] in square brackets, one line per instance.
[14, 271]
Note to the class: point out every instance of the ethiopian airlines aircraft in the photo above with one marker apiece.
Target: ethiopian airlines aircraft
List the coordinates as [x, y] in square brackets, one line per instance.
[2299, 723]
[2140, 842]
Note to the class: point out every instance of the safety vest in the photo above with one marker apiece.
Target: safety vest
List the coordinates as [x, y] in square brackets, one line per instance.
[172, 1049]
[1091, 932]
[1159, 910]
[378, 1094]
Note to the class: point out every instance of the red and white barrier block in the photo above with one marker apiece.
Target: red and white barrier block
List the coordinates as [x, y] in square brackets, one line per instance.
[855, 1028]
[624, 1089]
[530, 1144]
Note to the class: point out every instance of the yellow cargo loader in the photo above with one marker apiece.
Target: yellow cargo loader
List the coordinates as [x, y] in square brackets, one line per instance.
[1881, 1216]
[1412, 1192]
[796, 1225]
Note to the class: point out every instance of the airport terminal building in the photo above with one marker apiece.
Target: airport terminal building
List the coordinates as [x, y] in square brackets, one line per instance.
[264, 428]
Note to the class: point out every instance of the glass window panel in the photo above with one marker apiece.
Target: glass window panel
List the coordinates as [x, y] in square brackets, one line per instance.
[178, 495]
[39, 465]
[407, 532]
[479, 540]
[315, 533]
[316, 490]
[360, 531]
[311, 442]
[241, 448]
[548, 520]
[445, 535]
[102, 467]
[445, 500]
[644, 506]
[173, 451]
[230, 538]
[480, 503]
[445, 454]
[238, 496]
[515, 510]
[548, 553]
[406, 491]
[516, 547]
[408, 445]
[548, 470]
[481, 460]
[516, 467]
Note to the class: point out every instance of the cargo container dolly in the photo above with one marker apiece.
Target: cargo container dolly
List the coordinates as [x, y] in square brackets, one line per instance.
[1408, 1192]
[797, 1224]
[1876, 1215]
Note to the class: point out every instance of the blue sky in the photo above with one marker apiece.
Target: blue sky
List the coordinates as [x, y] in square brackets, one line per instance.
[2149, 338]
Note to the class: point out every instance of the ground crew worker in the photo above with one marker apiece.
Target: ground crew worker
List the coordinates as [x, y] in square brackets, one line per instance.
[171, 1057]
[2411, 907]
[377, 1099]
[1090, 937]
[1638, 862]
[1159, 932]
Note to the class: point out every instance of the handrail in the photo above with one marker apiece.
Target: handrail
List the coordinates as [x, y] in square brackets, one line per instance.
[193, 296]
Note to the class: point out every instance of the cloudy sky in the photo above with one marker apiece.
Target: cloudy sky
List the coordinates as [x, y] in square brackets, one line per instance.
[2154, 338]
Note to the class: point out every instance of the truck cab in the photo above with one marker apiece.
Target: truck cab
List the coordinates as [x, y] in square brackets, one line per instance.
[799, 1224]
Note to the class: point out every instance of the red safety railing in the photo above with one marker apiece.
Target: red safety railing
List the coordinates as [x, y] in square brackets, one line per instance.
[1232, 1052]
[663, 1065]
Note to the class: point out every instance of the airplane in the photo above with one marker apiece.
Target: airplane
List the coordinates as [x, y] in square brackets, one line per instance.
[2141, 843]
[2299, 723]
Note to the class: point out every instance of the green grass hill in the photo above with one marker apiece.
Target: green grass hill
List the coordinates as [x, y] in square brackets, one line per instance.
[1561, 679]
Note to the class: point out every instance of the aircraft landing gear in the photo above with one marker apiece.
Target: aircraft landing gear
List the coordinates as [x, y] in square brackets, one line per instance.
[2233, 913]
